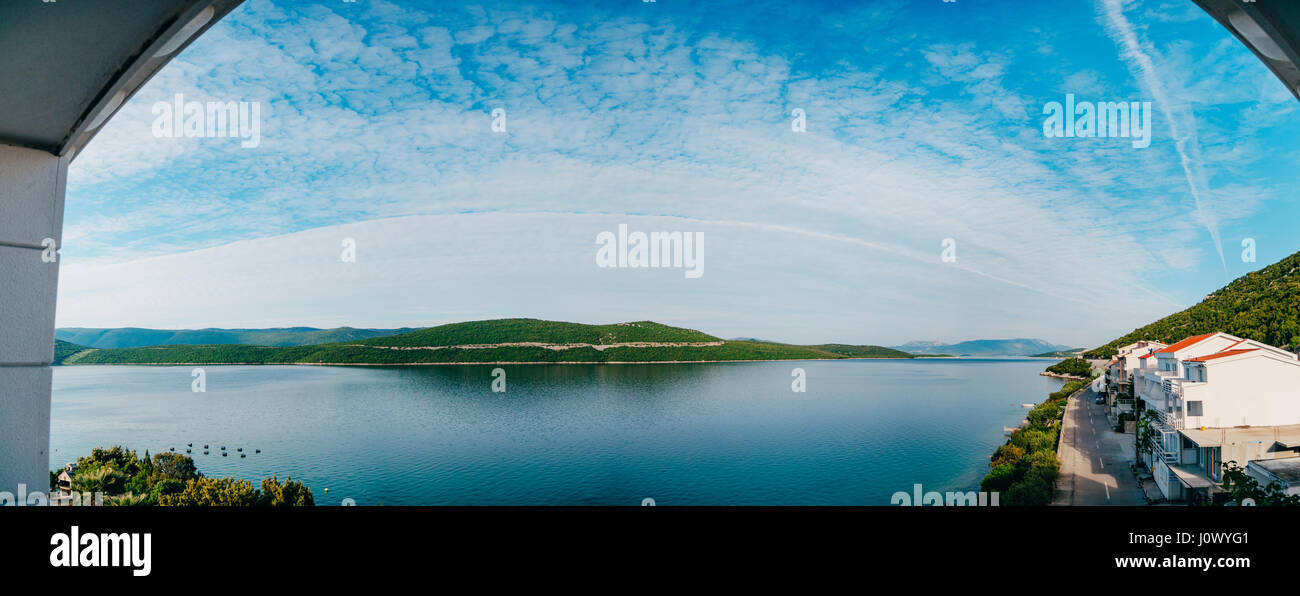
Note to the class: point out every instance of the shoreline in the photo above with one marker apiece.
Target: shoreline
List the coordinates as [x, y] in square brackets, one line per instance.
[494, 362]
[1061, 376]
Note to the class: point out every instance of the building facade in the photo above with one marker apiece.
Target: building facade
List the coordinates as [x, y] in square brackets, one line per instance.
[1213, 399]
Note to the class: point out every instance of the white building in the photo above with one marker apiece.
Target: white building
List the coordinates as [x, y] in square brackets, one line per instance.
[1120, 374]
[1285, 472]
[1217, 398]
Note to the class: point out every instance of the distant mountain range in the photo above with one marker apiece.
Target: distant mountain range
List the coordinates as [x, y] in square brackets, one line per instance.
[495, 341]
[135, 337]
[983, 347]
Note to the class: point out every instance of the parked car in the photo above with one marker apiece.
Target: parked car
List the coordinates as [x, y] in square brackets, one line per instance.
[1101, 399]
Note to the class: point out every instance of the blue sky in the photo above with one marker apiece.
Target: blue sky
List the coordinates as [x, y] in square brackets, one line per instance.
[924, 121]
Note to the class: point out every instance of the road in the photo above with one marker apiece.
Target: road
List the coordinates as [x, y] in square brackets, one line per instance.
[1095, 460]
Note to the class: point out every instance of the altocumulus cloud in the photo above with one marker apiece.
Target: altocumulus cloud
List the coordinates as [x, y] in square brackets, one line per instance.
[376, 125]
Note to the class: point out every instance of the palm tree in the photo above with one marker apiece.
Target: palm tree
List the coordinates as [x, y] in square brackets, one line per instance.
[127, 500]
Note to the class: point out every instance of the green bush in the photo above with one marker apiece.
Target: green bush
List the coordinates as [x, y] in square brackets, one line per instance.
[173, 479]
[1024, 469]
[1075, 367]
[1000, 478]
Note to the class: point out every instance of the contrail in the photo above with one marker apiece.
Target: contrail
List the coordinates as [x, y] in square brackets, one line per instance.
[1189, 152]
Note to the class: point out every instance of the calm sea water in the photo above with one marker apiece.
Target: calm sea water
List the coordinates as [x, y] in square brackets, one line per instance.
[682, 434]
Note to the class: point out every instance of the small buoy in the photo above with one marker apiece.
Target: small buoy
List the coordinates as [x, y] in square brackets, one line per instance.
[257, 451]
[327, 490]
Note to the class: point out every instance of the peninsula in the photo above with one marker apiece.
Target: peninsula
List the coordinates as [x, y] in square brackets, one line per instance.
[498, 341]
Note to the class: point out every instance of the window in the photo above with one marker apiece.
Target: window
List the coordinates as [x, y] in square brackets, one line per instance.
[1194, 408]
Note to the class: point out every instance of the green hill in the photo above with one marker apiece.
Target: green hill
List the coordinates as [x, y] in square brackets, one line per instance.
[485, 342]
[1071, 353]
[852, 351]
[1262, 305]
[63, 349]
[135, 337]
[534, 330]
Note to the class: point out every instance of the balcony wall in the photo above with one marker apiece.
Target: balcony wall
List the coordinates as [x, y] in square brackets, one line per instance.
[31, 214]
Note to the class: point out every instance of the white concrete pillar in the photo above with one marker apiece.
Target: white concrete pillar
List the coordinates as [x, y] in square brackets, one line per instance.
[31, 216]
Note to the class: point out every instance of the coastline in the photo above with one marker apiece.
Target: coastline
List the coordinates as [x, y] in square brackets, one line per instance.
[1061, 376]
[495, 362]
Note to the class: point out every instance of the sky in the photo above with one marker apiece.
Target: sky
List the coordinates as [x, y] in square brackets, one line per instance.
[864, 172]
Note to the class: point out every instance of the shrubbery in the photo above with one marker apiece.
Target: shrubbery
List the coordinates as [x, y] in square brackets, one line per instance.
[1241, 486]
[1262, 305]
[173, 479]
[1075, 367]
[1024, 468]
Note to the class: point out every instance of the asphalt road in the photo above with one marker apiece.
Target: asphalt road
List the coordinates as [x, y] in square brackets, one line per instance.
[1095, 460]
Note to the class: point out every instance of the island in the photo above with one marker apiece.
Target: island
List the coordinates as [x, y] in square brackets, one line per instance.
[499, 341]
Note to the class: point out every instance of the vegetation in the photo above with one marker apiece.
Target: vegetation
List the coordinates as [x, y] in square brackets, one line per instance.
[1241, 486]
[534, 330]
[233, 492]
[1121, 420]
[135, 337]
[1024, 469]
[861, 351]
[1071, 353]
[1262, 305]
[172, 479]
[63, 349]
[1146, 433]
[413, 348]
[1072, 367]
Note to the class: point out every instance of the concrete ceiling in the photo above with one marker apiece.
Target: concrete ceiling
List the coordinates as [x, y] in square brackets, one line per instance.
[1270, 28]
[68, 65]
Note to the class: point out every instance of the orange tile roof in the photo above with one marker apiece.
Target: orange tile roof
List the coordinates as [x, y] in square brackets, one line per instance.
[1191, 341]
[1144, 357]
[1223, 354]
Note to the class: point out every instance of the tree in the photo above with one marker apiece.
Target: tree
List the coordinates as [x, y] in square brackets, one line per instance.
[1000, 478]
[1242, 487]
[174, 466]
[207, 492]
[173, 479]
[289, 494]
[127, 500]
[99, 480]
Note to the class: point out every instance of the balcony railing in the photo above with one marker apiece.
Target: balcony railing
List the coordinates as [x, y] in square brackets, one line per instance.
[1164, 445]
[1166, 420]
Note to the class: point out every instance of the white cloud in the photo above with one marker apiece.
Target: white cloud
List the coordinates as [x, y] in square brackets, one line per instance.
[376, 119]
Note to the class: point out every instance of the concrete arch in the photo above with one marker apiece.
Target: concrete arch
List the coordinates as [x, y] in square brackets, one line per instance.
[68, 67]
